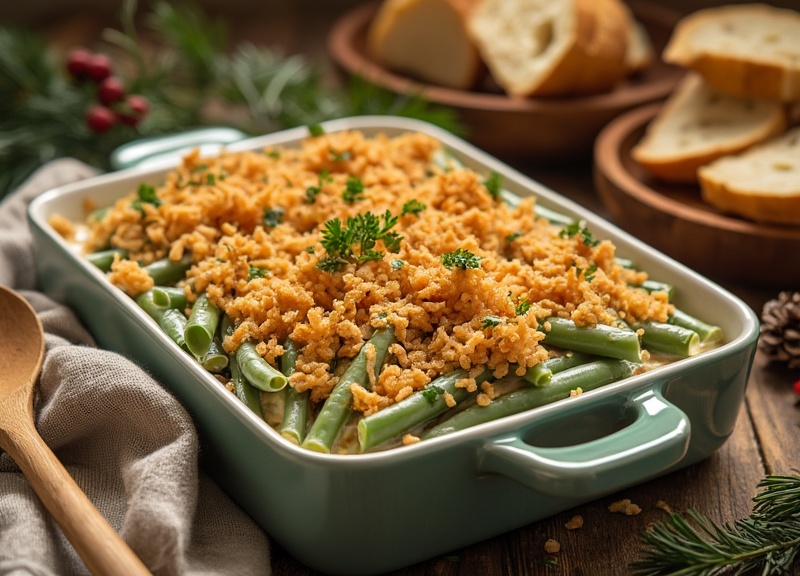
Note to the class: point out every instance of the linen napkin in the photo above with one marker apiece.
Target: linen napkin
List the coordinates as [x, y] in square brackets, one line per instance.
[128, 443]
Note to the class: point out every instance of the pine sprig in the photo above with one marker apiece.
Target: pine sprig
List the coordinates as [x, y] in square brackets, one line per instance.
[767, 542]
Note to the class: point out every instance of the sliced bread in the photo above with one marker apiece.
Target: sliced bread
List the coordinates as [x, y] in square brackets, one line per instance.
[546, 48]
[640, 48]
[697, 125]
[426, 39]
[761, 184]
[750, 50]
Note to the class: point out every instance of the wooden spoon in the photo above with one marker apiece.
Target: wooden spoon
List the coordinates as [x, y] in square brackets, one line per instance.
[21, 353]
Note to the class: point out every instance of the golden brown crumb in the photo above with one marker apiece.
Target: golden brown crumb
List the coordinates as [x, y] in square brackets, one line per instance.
[576, 392]
[552, 546]
[574, 523]
[449, 400]
[64, 227]
[625, 506]
[664, 506]
[410, 439]
[483, 399]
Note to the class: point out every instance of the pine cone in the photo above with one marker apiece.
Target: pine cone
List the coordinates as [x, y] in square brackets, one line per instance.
[780, 329]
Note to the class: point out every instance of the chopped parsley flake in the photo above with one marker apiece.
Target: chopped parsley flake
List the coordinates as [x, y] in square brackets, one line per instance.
[431, 392]
[353, 190]
[316, 130]
[313, 191]
[397, 264]
[461, 258]
[273, 217]
[522, 307]
[513, 236]
[588, 275]
[256, 272]
[146, 194]
[494, 184]
[412, 207]
[340, 156]
[575, 229]
[491, 321]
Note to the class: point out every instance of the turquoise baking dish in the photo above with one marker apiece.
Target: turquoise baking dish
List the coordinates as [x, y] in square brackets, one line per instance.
[375, 512]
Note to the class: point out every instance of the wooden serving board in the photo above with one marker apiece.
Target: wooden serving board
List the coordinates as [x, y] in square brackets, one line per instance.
[674, 219]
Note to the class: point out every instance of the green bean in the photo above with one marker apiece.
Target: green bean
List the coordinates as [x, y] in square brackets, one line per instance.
[170, 320]
[708, 333]
[105, 258]
[215, 360]
[258, 371]
[586, 377]
[414, 410]
[169, 297]
[669, 338]
[244, 391]
[542, 373]
[600, 340]
[202, 325]
[656, 286]
[166, 271]
[338, 406]
[295, 411]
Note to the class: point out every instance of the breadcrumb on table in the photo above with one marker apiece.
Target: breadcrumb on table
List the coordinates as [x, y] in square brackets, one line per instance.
[574, 523]
[625, 506]
[552, 546]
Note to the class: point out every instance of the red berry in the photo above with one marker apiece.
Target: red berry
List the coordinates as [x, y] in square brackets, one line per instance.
[100, 119]
[796, 387]
[111, 90]
[78, 63]
[99, 67]
[136, 107]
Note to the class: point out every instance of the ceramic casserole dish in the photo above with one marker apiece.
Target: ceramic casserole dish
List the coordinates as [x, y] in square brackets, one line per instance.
[375, 512]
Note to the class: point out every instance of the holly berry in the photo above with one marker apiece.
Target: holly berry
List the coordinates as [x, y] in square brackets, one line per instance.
[136, 107]
[111, 90]
[99, 67]
[100, 119]
[78, 63]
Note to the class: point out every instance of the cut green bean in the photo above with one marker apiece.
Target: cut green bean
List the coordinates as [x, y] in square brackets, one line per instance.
[166, 271]
[244, 391]
[258, 371]
[338, 406]
[105, 258]
[170, 320]
[295, 412]
[586, 377]
[669, 339]
[215, 360]
[169, 297]
[708, 333]
[415, 410]
[600, 340]
[542, 373]
[202, 325]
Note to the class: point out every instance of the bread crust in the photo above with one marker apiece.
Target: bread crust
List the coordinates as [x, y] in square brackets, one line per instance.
[592, 59]
[682, 166]
[393, 27]
[746, 74]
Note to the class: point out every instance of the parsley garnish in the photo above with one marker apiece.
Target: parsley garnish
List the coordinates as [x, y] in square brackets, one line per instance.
[273, 217]
[397, 264]
[590, 272]
[340, 156]
[353, 190]
[513, 236]
[432, 392]
[490, 321]
[146, 195]
[355, 241]
[256, 272]
[211, 179]
[461, 258]
[313, 191]
[412, 207]
[574, 229]
[315, 130]
[494, 184]
[522, 307]
[273, 153]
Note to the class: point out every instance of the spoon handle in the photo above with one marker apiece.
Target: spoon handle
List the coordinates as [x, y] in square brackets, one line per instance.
[100, 547]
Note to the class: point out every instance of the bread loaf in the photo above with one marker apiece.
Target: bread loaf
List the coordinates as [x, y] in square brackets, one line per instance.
[640, 52]
[762, 183]
[541, 47]
[426, 39]
[697, 125]
[750, 50]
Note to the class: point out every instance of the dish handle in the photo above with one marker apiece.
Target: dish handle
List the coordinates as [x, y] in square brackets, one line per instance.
[657, 439]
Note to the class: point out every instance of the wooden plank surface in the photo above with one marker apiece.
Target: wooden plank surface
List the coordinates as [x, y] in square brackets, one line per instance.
[765, 439]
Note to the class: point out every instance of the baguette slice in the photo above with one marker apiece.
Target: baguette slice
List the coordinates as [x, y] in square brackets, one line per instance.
[750, 50]
[546, 48]
[640, 52]
[697, 125]
[427, 39]
[761, 184]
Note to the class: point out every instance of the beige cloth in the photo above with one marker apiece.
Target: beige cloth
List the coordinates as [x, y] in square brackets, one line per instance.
[128, 443]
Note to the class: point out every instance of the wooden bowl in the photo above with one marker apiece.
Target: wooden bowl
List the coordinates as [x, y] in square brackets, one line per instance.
[518, 129]
[674, 219]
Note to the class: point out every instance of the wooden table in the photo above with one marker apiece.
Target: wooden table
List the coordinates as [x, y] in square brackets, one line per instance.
[765, 440]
